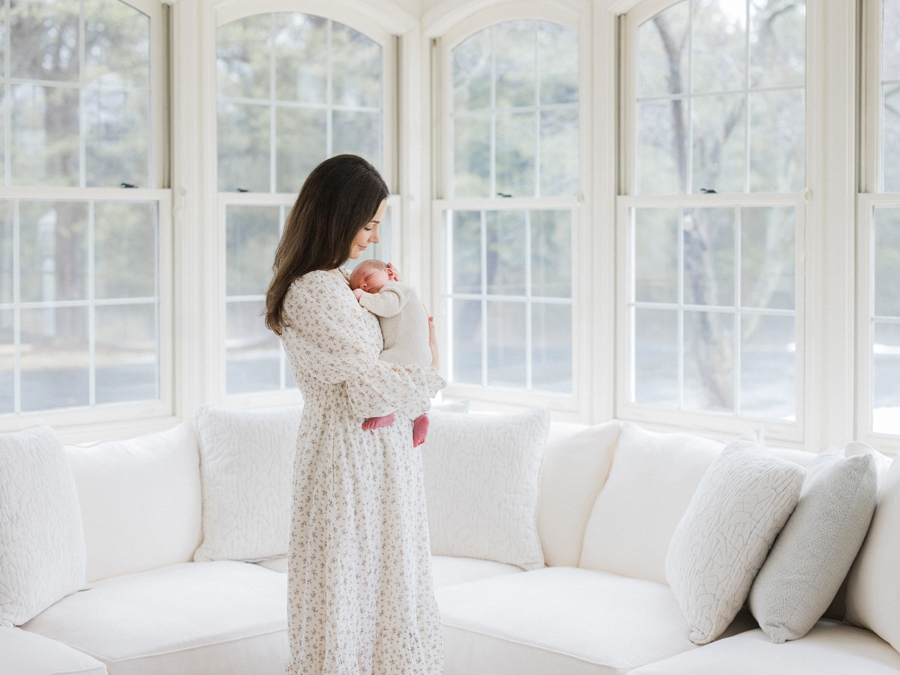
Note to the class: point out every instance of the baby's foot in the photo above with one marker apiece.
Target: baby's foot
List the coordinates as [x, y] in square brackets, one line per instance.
[375, 422]
[420, 430]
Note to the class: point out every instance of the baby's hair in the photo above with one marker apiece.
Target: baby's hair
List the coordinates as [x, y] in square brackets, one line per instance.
[357, 272]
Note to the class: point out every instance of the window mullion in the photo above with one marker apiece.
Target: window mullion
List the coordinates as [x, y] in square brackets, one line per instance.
[92, 310]
[17, 312]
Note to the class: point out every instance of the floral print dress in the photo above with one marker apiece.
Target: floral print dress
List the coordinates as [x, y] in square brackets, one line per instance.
[360, 590]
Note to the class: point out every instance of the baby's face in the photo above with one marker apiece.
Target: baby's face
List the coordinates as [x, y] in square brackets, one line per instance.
[372, 279]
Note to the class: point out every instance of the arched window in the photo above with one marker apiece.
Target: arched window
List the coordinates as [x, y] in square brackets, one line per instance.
[714, 136]
[84, 221]
[512, 182]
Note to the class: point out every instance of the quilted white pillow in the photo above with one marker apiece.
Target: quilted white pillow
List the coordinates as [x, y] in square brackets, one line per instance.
[246, 471]
[482, 484]
[739, 508]
[41, 540]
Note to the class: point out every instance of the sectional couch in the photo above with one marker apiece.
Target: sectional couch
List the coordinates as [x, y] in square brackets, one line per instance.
[611, 496]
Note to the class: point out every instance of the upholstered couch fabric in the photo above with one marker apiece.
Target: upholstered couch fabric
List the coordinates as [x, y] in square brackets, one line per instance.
[24, 653]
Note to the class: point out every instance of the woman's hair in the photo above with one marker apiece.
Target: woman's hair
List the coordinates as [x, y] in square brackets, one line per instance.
[339, 197]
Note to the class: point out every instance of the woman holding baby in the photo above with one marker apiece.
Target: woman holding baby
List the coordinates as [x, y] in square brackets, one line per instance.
[360, 591]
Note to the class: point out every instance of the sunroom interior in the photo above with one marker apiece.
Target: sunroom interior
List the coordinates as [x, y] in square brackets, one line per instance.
[683, 213]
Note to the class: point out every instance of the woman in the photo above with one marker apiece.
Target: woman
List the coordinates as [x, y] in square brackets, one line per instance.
[360, 592]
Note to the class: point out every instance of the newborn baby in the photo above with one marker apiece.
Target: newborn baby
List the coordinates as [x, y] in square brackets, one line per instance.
[404, 326]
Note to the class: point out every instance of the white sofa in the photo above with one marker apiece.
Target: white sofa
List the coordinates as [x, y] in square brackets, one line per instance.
[599, 606]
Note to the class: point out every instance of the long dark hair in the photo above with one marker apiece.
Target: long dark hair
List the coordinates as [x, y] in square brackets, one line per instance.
[339, 197]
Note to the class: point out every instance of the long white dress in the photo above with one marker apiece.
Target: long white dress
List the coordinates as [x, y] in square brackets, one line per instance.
[360, 590]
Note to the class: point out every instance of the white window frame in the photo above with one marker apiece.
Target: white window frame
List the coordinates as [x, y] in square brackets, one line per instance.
[77, 422]
[576, 15]
[723, 425]
[226, 12]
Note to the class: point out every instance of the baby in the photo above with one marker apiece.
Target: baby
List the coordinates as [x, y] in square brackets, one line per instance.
[404, 326]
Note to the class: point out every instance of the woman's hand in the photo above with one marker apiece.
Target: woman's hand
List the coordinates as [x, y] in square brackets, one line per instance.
[433, 343]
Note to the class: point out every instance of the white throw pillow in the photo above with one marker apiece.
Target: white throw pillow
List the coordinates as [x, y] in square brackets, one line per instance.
[721, 542]
[817, 546]
[246, 470]
[140, 501]
[873, 586]
[482, 485]
[41, 540]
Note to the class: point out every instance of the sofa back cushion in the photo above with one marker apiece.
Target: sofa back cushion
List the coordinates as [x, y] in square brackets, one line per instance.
[140, 501]
[576, 465]
[651, 482]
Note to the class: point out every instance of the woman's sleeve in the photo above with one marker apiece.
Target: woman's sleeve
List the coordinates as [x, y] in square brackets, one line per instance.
[330, 337]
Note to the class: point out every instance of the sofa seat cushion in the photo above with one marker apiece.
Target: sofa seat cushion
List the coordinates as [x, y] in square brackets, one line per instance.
[217, 618]
[829, 648]
[559, 620]
[25, 653]
[449, 570]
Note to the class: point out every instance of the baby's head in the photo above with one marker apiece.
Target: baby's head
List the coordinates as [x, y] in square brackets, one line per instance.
[370, 276]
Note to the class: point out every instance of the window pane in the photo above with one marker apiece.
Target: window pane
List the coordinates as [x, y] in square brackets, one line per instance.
[253, 351]
[301, 57]
[768, 366]
[356, 68]
[551, 254]
[466, 258]
[466, 341]
[506, 327]
[720, 48]
[471, 65]
[767, 257]
[6, 252]
[656, 357]
[887, 262]
[891, 138]
[54, 358]
[251, 239]
[243, 141]
[124, 250]
[709, 257]
[54, 253]
[506, 241]
[44, 139]
[7, 362]
[117, 45]
[358, 133]
[656, 233]
[301, 145]
[472, 156]
[557, 63]
[719, 135]
[117, 144]
[891, 39]
[126, 353]
[559, 152]
[551, 355]
[662, 147]
[777, 43]
[516, 140]
[886, 374]
[709, 361]
[44, 39]
[662, 53]
[243, 57]
[777, 141]
[515, 43]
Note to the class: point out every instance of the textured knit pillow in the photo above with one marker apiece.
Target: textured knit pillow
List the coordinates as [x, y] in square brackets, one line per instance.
[246, 472]
[817, 546]
[739, 508]
[482, 484]
[41, 540]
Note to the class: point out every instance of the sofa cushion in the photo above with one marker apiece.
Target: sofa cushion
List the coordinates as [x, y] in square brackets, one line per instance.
[25, 653]
[41, 540]
[558, 620]
[828, 649]
[576, 465]
[246, 469]
[651, 482]
[448, 570]
[140, 501]
[814, 552]
[739, 508]
[218, 618]
[482, 485]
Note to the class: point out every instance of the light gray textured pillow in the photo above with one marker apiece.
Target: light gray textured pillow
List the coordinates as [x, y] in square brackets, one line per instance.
[817, 546]
[739, 508]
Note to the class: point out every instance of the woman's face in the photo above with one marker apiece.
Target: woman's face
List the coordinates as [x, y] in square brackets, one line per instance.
[368, 234]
